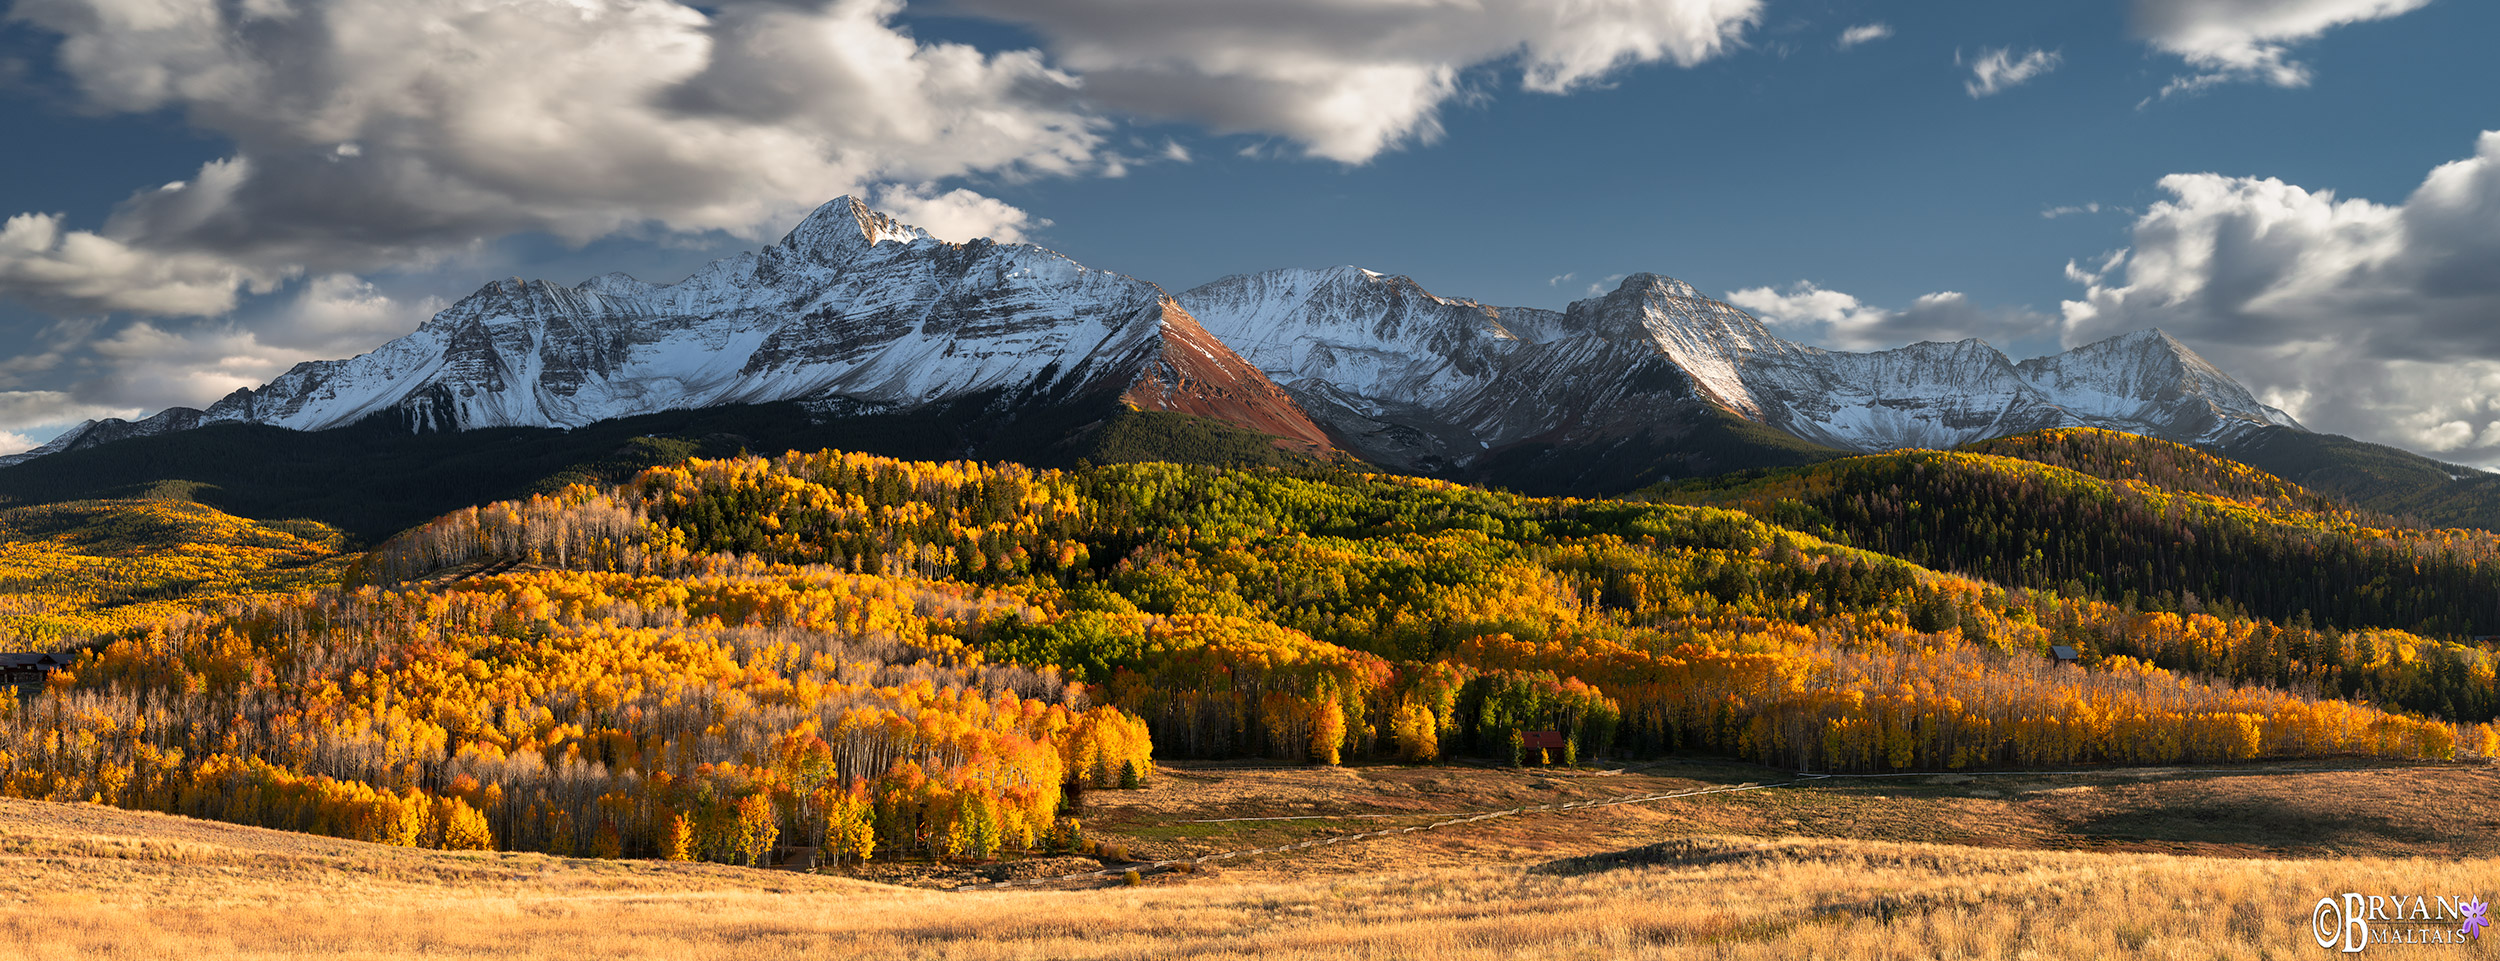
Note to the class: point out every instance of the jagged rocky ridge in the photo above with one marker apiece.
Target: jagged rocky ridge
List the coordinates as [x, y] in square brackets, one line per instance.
[854, 313]
[851, 312]
[1415, 379]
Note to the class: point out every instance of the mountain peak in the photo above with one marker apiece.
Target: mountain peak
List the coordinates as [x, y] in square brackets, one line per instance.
[1658, 284]
[2148, 376]
[843, 223]
[2149, 341]
[1671, 314]
[2147, 336]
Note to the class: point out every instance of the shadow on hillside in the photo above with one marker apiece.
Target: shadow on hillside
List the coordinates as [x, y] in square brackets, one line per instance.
[2258, 822]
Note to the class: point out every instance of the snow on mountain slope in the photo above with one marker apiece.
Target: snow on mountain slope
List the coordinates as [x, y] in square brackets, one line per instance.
[2150, 378]
[853, 312]
[1365, 333]
[850, 307]
[108, 430]
[850, 304]
[1453, 376]
[1725, 350]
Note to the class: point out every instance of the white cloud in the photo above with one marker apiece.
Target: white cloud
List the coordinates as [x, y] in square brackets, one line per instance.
[1841, 321]
[2002, 69]
[1349, 79]
[139, 367]
[372, 132]
[1805, 307]
[2358, 317]
[155, 366]
[2249, 40]
[336, 315]
[28, 417]
[2069, 210]
[956, 215]
[390, 132]
[1864, 33]
[80, 270]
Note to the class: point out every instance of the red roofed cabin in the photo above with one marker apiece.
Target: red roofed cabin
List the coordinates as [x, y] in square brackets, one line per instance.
[1550, 742]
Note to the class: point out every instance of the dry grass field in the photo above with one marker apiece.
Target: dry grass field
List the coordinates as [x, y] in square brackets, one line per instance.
[2151, 864]
[2299, 810]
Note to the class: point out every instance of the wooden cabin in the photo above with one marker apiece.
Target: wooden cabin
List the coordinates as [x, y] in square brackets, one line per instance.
[32, 667]
[1551, 742]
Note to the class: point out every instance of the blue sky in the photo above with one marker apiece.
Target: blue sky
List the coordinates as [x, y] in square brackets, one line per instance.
[2249, 174]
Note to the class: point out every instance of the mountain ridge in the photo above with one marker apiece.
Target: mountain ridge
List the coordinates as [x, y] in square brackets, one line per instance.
[851, 310]
[853, 313]
[1920, 395]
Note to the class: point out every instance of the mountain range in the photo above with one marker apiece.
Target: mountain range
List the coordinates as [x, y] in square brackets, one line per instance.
[1011, 350]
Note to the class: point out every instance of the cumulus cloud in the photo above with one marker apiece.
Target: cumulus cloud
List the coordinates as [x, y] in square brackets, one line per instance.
[160, 363]
[1349, 79]
[2357, 317]
[957, 214]
[147, 365]
[335, 315]
[387, 132]
[2002, 69]
[2249, 40]
[1804, 307]
[78, 270]
[371, 132]
[28, 417]
[1834, 319]
[1864, 33]
[401, 135]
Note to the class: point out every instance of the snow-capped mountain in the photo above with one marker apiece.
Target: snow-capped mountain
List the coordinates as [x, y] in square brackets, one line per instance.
[1406, 376]
[2148, 382]
[856, 314]
[851, 311]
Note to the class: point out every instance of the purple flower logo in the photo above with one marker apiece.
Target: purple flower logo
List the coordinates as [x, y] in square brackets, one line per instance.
[2477, 917]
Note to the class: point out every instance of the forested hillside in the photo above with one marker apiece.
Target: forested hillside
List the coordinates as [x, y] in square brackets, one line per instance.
[2381, 478]
[2148, 523]
[377, 478]
[920, 658]
[74, 570]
